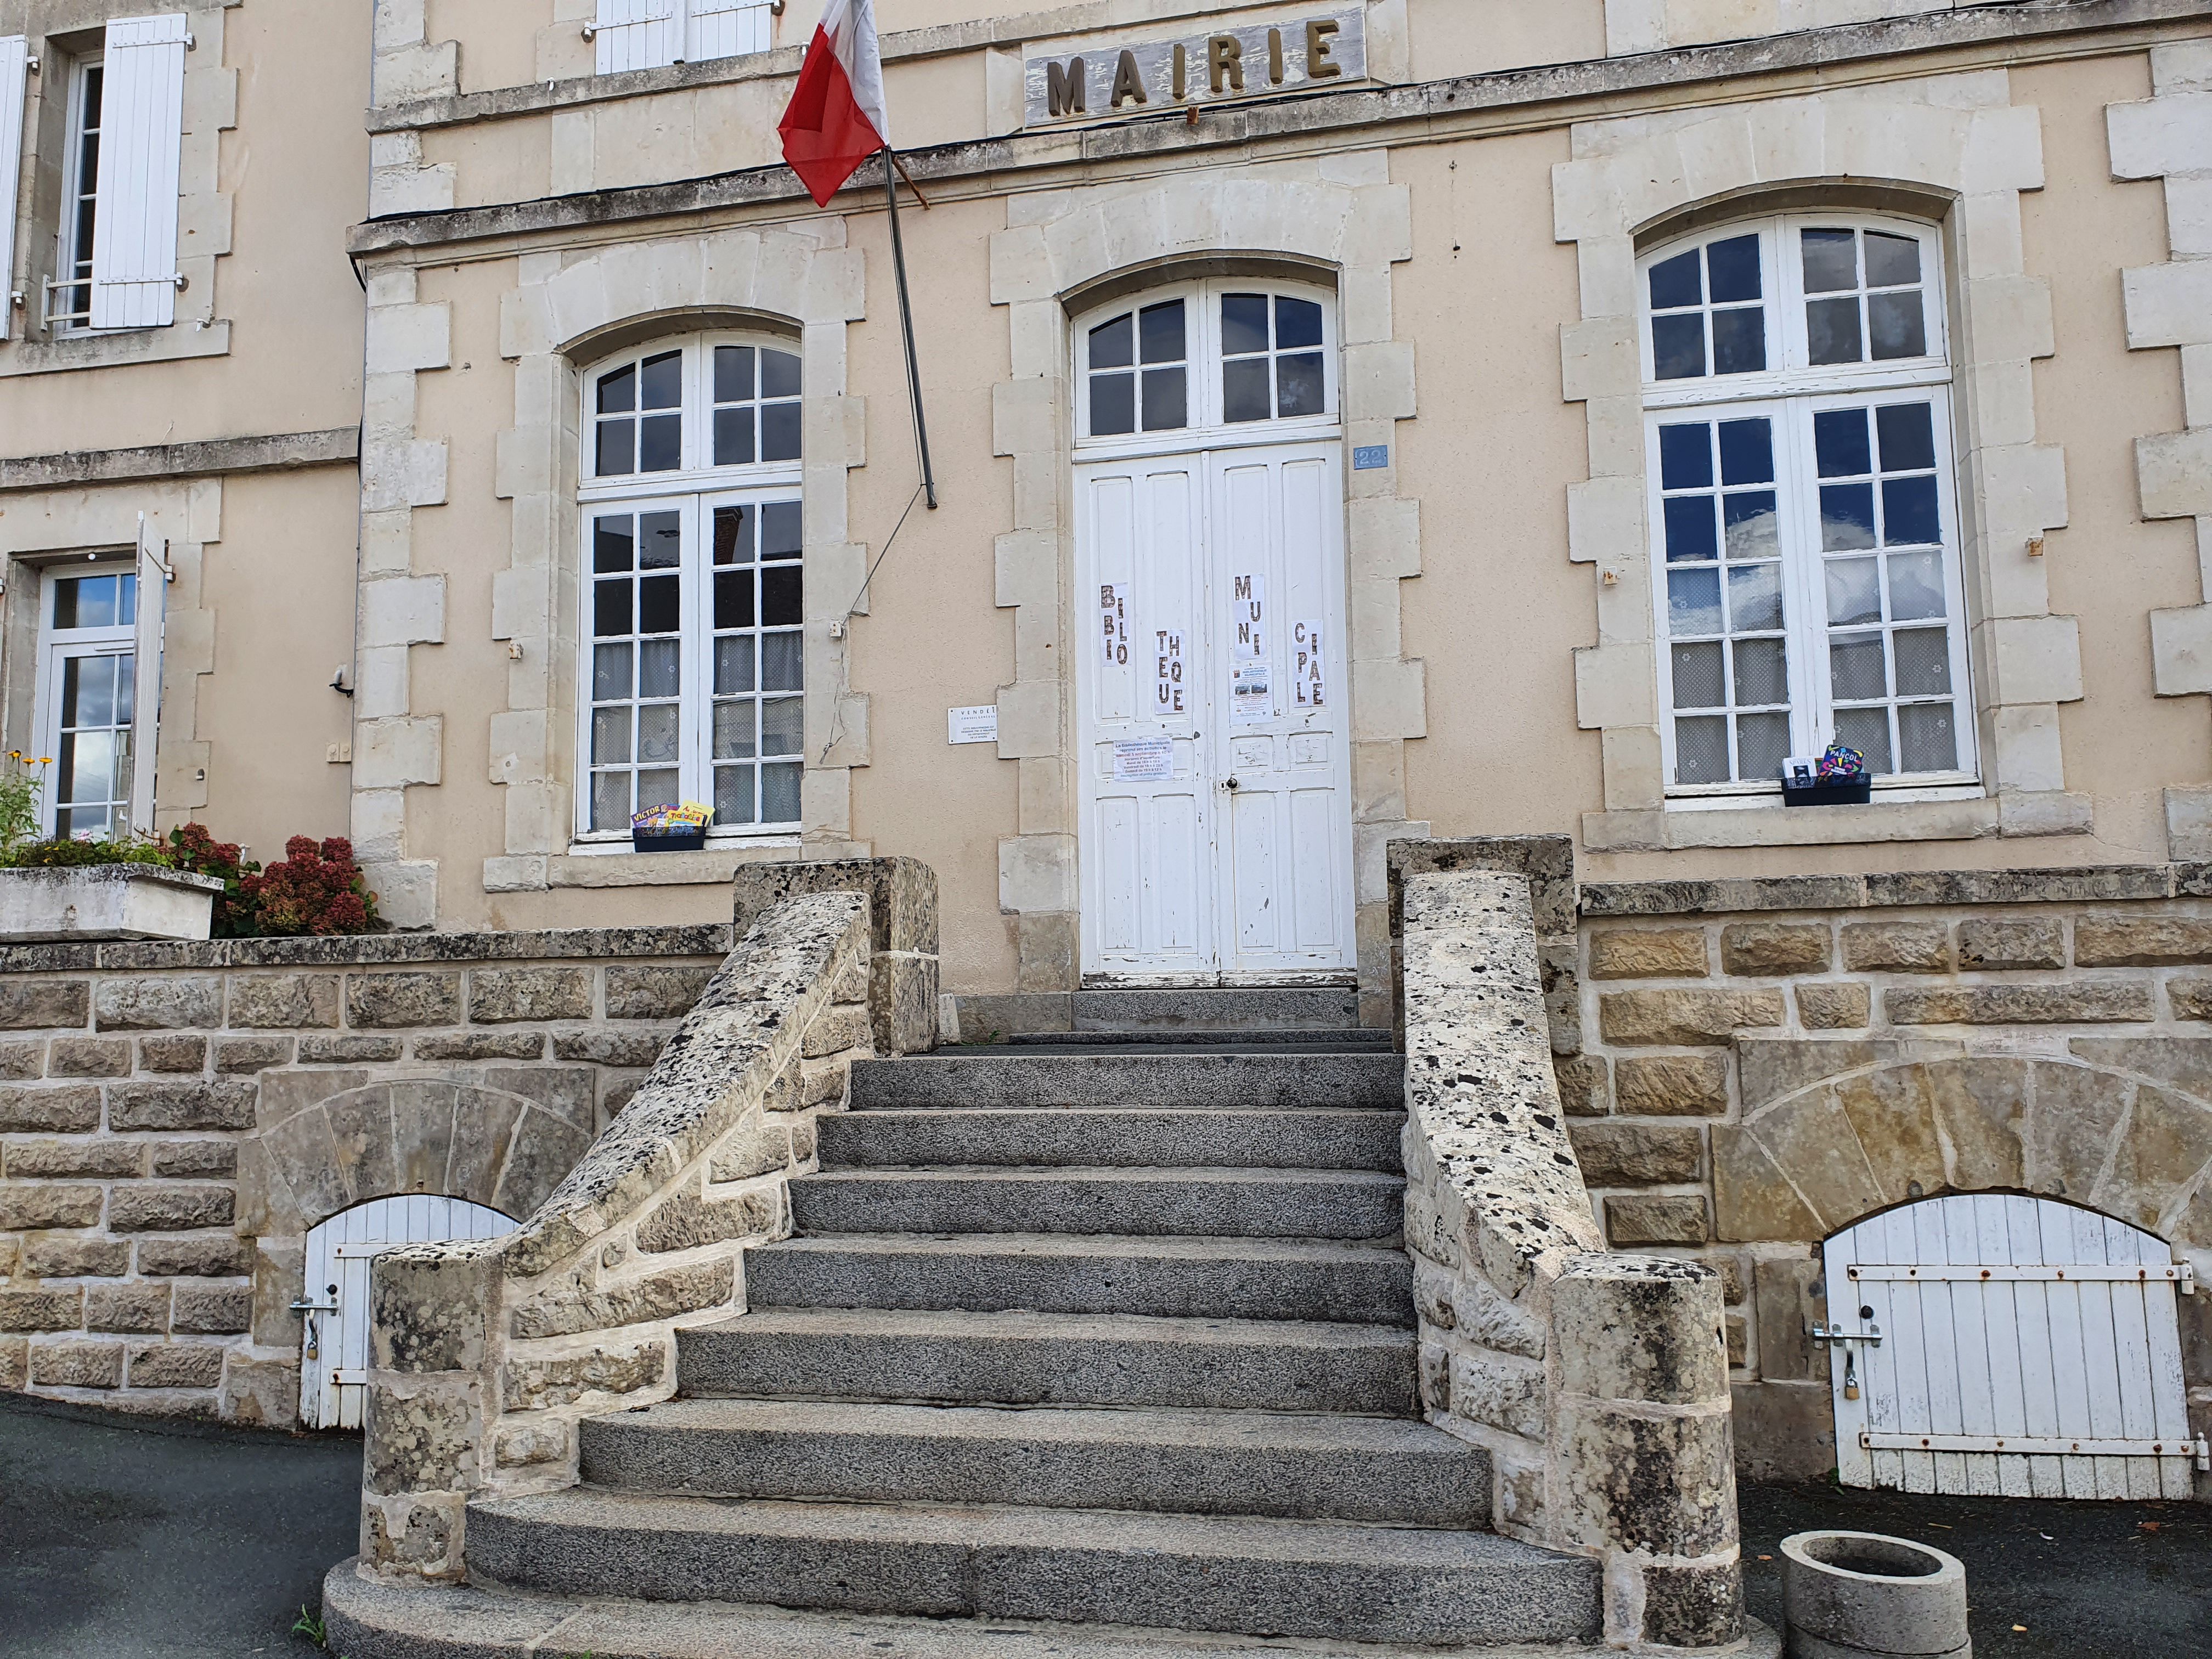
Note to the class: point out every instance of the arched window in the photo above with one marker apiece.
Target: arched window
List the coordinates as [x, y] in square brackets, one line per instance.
[694, 592]
[1223, 355]
[1803, 511]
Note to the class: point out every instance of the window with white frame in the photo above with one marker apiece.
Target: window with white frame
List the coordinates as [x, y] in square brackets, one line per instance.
[1225, 354]
[88, 702]
[633, 34]
[1804, 519]
[68, 299]
[694, 588]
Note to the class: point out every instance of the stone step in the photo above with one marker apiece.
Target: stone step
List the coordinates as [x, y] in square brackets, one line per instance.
[1050, 1359]
[1184, 1203]
[1187, 1079]
[1255, 1577]
[1254, 1009]
[1196, 1462]
[1319, 1041]
[1346, 1283]
[1315, 1139]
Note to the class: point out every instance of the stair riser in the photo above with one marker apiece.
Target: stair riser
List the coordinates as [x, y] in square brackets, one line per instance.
[1450, 1490]
[1183, 1209]
[1257, 1010]
[1196, 1080]
[1356, 1600]
[1367, 1293]
[1274, 1140]
[1376, 1379]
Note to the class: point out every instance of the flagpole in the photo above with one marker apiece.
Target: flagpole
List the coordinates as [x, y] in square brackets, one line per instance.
[906, 322]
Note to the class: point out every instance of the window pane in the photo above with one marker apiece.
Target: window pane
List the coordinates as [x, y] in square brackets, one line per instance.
[1832, 331]
[734, 374]
[659, 604]
[1685, 457]
[1839, 443]
[1733, 268]
[1846, 516]
[1678, 347]
[1908, 436]
[1831, 260]
[733, 535]
[1927, 738]
[1112, 404]
[1747, 452]
[618, 391]
[734, 794]
[616, 453]
[733, 665]
[779, 794]
[657, 734]
[658, 789]
[1113, 344]
[1676, 281]
[1690, 529]
[612, 549]
[90, 696]
[779, 432]
[124, 678]
[126, 600]
[661, 384]
[1924, 661]
[1891, 261]
[1854, 592]
[610, 801]
[1299, 384]
[1697, 677]
[1908, 511]
[610, 612]
[659, 668]
[1245, 394]
[1243, 324]
[782, 726]
[1762, 673]
[733, 598]
[1895, 325]
[1160, 331]
[1167, 399]
[734, 437]
[1752, 525]
[1866, 730]
[733, 731]
[782, 667]
[660, 541]
[1762, 744]
[1916, 585]
[782, 596]
[780, 530]
[1701, 750]
[1856, 671]
[1693, 603]
[610, 736]
[1297, 323]
[1754, 597]
[660, 443]
[779, 373]
[1740, 341]
[610, 672]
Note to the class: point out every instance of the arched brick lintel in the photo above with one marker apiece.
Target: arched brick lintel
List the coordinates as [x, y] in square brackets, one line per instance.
[2132, 1143]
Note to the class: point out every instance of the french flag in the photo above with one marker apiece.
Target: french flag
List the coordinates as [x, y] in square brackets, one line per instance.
[836, 119]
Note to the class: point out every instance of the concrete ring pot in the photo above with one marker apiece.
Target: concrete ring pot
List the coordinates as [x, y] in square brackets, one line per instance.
[1860, 1596]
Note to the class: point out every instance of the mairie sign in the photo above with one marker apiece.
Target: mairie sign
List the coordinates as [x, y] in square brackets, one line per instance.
[1251, 61]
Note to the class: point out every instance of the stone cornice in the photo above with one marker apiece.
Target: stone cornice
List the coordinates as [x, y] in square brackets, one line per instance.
[280, 453]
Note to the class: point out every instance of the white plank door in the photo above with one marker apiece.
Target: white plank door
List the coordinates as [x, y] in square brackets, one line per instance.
[335, 1310]
[2028, 1347]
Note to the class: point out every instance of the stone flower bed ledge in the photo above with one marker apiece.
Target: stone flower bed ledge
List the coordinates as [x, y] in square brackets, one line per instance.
[105, 902]
[483, 1356]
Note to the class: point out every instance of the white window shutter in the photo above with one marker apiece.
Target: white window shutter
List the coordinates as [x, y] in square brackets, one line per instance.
[141, 117]
[14, 58]
[633, 34]
[729, 28]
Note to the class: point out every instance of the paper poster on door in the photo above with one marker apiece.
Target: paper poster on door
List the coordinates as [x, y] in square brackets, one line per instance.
[1167, 674]
[1143, 760]
[1251, 696]
[1248, 616]
[1114, 623]
[1308, 666]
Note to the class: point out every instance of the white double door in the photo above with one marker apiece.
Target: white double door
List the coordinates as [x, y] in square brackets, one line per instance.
[1213, 716]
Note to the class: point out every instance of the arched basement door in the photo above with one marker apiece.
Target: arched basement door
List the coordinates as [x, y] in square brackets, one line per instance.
[2027, 1349]
[334, 1340]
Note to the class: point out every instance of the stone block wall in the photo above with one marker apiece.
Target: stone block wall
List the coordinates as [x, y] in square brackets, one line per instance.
[174, 1117]
[1755, 1065]
[483, 1356]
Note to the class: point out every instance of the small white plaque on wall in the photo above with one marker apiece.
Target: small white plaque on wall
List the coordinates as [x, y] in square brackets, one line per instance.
[978, 724]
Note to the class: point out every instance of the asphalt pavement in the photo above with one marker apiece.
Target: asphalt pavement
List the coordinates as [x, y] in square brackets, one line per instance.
[128, 1538]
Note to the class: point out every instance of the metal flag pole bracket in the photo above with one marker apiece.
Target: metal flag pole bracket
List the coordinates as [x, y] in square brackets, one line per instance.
[891, 172]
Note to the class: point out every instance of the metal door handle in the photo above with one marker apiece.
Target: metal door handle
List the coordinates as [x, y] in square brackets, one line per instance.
[1232, 784]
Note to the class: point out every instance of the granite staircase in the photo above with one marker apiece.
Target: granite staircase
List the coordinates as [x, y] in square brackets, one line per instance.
[1096, 1347]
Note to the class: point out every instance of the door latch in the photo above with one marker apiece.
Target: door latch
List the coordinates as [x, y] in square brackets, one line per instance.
[1818, 1332]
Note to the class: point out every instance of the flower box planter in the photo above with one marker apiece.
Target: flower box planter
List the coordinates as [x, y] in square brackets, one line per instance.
[105, 901]
[668, 841]
[1832, 792]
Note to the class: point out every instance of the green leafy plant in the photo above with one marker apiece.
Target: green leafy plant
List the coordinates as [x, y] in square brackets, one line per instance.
[192, 849]
[74, 854]
[309, 1625]
[20, 789]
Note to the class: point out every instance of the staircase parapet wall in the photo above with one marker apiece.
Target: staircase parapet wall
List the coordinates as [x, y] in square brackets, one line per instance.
[902, 927]
[1598, 1382]
[483, 1356]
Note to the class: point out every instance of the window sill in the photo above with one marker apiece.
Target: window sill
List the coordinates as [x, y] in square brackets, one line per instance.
[178, 341]
[711, 866]
[2050, 812]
